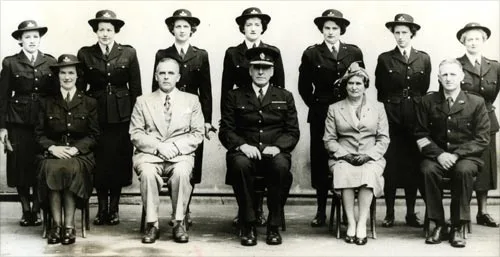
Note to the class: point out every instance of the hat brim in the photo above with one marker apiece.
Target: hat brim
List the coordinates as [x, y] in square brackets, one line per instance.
[242, 18]
[391, 24]
[16, 34]
[261, 62]
[65, 64]
[485, 29]
[319, 21]
[116, 22]
[192, 20]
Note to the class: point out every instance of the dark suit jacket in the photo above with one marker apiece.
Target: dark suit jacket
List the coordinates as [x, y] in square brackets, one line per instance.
[235, 71]
[115, 82]
[195, 75]
[463, 131]
[486, 84]
[21, 83]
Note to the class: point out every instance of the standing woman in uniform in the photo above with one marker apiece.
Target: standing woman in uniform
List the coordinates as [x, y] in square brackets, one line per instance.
[25, 77]
[322, 66]
[252, 24]
[112, 76]
[195, 72]
[402, 78]
[482, 76]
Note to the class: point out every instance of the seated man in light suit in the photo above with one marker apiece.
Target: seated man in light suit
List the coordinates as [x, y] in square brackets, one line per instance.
[166, 127]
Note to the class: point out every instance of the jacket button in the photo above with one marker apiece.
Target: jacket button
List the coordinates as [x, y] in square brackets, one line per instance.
[69, 113]
[407, 77]
[260, 111]
[260, 131]
[185, 65]
[17, 101]
[69, 124]
[408, 67]
[260, 121]
[108, 64]
[260, 143]
[109, 74]
[482, 88]
[36, 79]
[67, 143]
[35, 70]
[36, 88]
[449, 117]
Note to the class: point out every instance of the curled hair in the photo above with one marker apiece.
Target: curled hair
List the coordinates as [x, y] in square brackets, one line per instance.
[464, 35]
[341, 25]
[171, 25]
[413, 29]
[95, 26]
[242, 25]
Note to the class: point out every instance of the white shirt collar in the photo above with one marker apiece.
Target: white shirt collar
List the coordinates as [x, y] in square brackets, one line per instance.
[336, 45]
[250, 44]
[28, 55]
[103, 47]
[473, 58]
[407, 49]
[256, 89]
[453, 96]
[64, 92]
[178, 48]
[172, 94]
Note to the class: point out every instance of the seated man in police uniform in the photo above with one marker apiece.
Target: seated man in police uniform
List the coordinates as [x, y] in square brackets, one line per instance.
[166, 127]
[452, 132]
[259, 127]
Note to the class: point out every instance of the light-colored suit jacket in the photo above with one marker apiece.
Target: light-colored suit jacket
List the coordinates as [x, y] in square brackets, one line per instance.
[149, 128]
[370, 137]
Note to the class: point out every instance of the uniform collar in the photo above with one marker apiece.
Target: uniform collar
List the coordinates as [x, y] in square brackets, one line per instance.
[172, 94]
[103, 47]
[336, 45]
[28, 55]
[473, 58]
[250, 44]
[178, 48]
[407, 49]
[256, 89]
[453, 96]
[64, 92]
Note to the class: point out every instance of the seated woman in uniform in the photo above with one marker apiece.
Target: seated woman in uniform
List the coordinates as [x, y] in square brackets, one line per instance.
[356, 138]
[66, 131]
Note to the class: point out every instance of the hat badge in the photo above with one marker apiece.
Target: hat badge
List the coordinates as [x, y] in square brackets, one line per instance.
[262, 56]
[331, 14]
[183, 13]
[401, 18]
[106, 15]
[66, 59]
[254, 12]
[30, 25]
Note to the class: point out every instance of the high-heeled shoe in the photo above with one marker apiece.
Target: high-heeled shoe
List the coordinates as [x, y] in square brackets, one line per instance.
[69, 236]
[361, 241]
[25, 219]
[350, 239]
[35, 219]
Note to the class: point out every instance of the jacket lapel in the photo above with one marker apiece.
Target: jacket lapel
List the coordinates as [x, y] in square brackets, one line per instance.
[22, 58]
[413, 55]
[459, 103]
[467, 65]
[396, 54]
[96, 51]
[270, 94]
[342, 51]
[155, 106]
[345, 111]
[325, 52]
[75, 101]
[191, 52]
[115, 51]
[485, 66]
[251, 96]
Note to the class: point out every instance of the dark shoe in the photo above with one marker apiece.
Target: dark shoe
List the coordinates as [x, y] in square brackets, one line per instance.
[69, 236]
[25, 219]
[249, 236]
[436, 236]
[113, 219]
[273, 236]
[388, 221]
[319, 220]
[180, 234]
[414, 221]
[456, 237]
[350, 239]
[152, 233]
[54, 236]
[486, 220]
[100, 218]
[36, 220]
[361, 241]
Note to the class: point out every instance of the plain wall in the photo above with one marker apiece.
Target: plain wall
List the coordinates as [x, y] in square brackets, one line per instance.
[291, 29]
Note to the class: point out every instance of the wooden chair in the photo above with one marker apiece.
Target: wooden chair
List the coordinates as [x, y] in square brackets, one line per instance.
[82, 205]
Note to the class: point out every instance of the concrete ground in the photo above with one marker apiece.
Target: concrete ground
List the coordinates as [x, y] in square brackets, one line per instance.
[213, 235]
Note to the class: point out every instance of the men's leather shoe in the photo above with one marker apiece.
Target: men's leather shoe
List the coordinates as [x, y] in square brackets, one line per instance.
[361, 241]
[69, 236]
[486, 220]
[100, 218]
[249, 236]
[25, 219]
[388, 222]
[180, 234]
[152, 233]
[113, 219]
[188, 218]
[414, 221]
[319, 220]
[436, 235]
[456, 237]
[54, 235]
[36, 220]
[273, 236]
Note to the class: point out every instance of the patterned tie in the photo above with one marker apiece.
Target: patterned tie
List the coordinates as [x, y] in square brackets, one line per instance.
[182, 54]
[405, 55]
[32, 59]
[477, 67]
[450, 103]
[106, 54]
[334, 52]
[261, 95]
[166, 111]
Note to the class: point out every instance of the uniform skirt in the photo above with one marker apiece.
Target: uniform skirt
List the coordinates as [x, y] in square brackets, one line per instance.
[21, 168]
[113, 157]
[487, 178]
[367, 175]
[74, 174]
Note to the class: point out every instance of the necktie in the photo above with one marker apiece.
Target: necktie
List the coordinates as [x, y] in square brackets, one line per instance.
[254, 45]
[334, 52]
[182, 54]
[477, 67]
[68, 98]
[106, 54]
[32, 59]
[261, 95]
[405, 55]
[166, 110]
[450, 103]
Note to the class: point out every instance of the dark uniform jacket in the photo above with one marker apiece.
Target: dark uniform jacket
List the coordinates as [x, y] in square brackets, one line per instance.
[235, 71]
[318, 73]
[463, 131]
[21, 85]
[485, 84]
[195, 75]
[397, 79]
[74, 124]
[247, 121]
[114, 81]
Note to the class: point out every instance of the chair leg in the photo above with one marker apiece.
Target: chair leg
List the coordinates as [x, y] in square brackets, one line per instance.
[87, 215]
[338, 210]
[143, 220]
[84, 230]
[426, 224]
[469, 227]
[373, 217]
[187, 209]
[45, 223]
[332, 212]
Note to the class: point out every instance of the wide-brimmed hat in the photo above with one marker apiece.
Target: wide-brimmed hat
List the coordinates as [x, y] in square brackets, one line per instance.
[28, 25]
[65, 60]
[331, 15]
[261, 56]
[183, 14]
[402, 19]
[252, 12]
[106, 16]
[473, 25]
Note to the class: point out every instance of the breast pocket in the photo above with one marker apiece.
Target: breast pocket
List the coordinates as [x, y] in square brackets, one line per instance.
[18, 111]
[80, 122]
[54, 121]
[124, 103]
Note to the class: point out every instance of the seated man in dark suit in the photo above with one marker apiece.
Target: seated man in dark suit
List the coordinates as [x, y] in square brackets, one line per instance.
[259, 127]
[452, 132]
